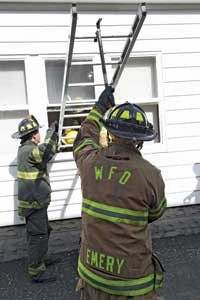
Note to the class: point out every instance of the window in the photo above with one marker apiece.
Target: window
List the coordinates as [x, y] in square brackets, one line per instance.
[12, 83]
[139, 84]
[80, 93]
[80, 74]
[13, 101]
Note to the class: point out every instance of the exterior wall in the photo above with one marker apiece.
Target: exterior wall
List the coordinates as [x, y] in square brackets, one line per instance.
[173, 34]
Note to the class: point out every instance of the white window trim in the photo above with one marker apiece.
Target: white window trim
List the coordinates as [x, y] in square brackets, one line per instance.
[36, 90]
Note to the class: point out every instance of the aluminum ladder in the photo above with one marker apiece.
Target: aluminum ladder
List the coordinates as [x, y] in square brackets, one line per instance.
[68, 105]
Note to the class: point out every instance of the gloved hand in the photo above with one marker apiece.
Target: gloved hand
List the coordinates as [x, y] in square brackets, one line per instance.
[106, 99]
[54, 126]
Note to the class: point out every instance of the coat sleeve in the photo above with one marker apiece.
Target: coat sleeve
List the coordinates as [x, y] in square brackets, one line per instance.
[44, 152]
[87, 140]
[159, 203]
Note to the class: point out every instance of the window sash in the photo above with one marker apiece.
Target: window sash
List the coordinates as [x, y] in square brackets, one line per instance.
[12, 83]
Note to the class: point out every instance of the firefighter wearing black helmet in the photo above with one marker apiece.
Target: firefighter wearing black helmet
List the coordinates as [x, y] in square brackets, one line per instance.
[34, 192]
[122, 193]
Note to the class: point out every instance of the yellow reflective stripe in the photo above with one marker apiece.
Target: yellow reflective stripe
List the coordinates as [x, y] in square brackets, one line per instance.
[36, 155]
[31, 175]
[95, 116]
[116, 209]
[114, 214]
[49, 141]
[133, 287]
[96, 112]
[34, 204]
[159, 210]
[26, 204]
[36, 271]
[85, 143]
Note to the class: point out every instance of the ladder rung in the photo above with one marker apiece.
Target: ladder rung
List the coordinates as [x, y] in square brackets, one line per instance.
[66, 146]
[79, 103]
[74, 116]
[85, 84]
[92, 63]
[103, 37]
[77, 109]
[71, 127]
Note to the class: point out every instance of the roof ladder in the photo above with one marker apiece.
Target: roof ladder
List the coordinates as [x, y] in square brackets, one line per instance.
[74, 106]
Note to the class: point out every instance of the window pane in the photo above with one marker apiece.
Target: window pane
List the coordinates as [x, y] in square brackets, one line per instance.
[79, 74]
[153, 117]
[54, 77]
[12, 83]
[10, 120]
[138, 80]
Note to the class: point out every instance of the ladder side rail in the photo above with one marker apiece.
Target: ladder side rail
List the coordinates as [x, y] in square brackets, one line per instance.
[99, 40]
[136, 27]
[67, 69]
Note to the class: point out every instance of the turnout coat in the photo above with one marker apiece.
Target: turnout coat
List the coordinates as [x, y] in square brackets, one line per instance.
[33, 181]
[122, 193]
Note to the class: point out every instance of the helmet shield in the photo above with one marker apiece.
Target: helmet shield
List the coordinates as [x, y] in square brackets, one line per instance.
[128, 121]
[26, 126]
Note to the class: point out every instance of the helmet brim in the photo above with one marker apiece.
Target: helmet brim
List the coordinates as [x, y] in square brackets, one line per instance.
[19, 135]
[15, 135]
[148, 135]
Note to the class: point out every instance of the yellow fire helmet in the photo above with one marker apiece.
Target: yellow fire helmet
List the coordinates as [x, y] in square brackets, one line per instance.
[69, 136]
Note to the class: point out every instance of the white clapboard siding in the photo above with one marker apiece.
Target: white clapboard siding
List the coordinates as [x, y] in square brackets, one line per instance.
[62, 18]
[60, 34]
[70, 211]
[182, 88]
[183, 198]
[176, 158]
[182, 185]
[183, 130]
[180, 60]
[175, 35]
[81, 47]
[182, 102]
[58, 198]
[182, 116]
[181, 172]
[181, 74]
[183, 144]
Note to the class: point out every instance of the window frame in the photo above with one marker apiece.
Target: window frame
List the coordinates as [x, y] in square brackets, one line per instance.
[15, 107]
[88, 59]
[161, 146]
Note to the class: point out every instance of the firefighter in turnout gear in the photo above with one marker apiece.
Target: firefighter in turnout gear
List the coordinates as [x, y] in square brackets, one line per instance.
[34, 192]
[122, 193]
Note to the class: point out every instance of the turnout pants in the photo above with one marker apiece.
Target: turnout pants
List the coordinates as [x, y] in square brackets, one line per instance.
[38, 232]
[89, 293]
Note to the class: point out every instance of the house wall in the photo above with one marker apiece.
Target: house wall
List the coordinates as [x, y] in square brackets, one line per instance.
[171, 32]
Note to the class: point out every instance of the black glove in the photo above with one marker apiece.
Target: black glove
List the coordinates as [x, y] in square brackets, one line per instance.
[54, 126]
[106, 99]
